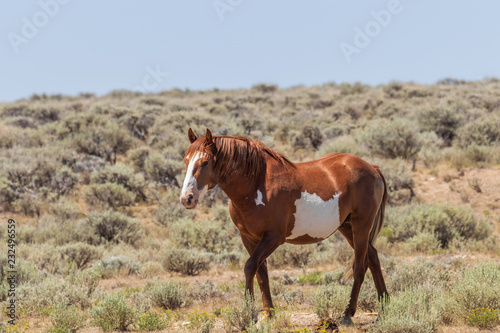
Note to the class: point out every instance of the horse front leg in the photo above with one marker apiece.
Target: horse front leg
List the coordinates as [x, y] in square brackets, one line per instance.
[256, 264]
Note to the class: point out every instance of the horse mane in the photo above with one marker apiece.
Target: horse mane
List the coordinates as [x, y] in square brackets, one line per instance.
[237, 154]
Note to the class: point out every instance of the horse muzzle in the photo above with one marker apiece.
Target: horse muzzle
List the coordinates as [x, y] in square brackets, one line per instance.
[189, 201]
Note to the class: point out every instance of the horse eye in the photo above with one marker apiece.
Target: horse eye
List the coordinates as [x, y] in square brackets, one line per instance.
[205, 163]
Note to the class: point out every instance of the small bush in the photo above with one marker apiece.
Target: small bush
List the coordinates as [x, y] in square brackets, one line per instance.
[291, 255]
[201, 322]
[330, 299]
[415, 310]
[114, 313]
[123, 175]
[138, 156]
[168, 295]
[109, 194]
[241, 315]
[114, 265]
[398, 138]
[443, 121]
[163, 170]
[484, 318]
[445, 221]
[187, 262]
[115, 227]
[66, 319]
[483, 131]
[151, 321]
[81, 254]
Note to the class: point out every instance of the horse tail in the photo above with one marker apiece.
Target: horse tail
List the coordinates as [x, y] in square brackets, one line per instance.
[377, 225]
[379, 218]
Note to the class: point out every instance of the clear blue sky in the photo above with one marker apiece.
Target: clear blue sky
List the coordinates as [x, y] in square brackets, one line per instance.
[98, 46]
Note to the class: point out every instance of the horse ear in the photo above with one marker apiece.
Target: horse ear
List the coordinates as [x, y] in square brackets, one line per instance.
[192, 137]
[208, 135]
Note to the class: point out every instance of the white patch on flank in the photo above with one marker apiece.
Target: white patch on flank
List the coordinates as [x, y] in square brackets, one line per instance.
[259, 201]
[190, 182]
[315, 217]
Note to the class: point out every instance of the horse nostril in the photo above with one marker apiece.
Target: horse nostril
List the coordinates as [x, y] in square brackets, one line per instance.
[189, 198]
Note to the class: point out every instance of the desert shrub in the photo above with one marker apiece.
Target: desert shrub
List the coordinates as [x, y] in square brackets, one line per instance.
[114, 313]
[397, 138]
[310, 137]
[415, 310]
[167, 294]
[139, 125]
[203, 291]
[201, 321]
[114, 265]
[106, 142]
[477, 287]
[482, 131]
[187, 262]
[151, 321]
[29, 205]
[77, 289]
[265, 88]
[399, 180]
[65, 210]
[170, 211]
[60, 231]
[443, 121]
[330, 299]
[484, 318]
[210, 236]
[81, 254]
[138, 156]
[66, 319]
[446, 222]
[345, 144]
[163, 170]
[291, 255]
[406, 276]
[240, 315]
[422, 242]
[109, 194]
[123, 175]
[111, 226]
[431, 151]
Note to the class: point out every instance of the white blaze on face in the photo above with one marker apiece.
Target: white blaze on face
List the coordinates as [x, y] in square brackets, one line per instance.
[190, 183]
[259, 201]
[315, 217]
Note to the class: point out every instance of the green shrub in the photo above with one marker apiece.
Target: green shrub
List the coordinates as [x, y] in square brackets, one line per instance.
[482, 131]
[187, 262]
[114, 313]
[168, 294]
[343, 144]
[123, 175]
[330, 299]
[114, 265]
[169, 212]
[415, 310]
[201, 322]
[211, 236]
[476, 288]
[66, 319]
[240, 315]
[291, 255]
[443, 121]
[484, 318]
[397, 138]
[111, 226]
[81, 254]
[109, 195]
[446, 222]
[60, 231]
[151, 321]
[163, 170]
[65, 210]
[138, 156]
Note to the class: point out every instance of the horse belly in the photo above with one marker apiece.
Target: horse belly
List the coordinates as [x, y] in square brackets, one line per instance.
[315, 219]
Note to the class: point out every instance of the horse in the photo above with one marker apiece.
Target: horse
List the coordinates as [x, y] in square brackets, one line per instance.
[275, 201]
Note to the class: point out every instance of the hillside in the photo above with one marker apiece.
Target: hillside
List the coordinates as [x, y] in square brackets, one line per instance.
[93, 185]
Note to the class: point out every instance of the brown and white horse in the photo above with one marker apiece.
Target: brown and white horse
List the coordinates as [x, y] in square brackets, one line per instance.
[274, 201]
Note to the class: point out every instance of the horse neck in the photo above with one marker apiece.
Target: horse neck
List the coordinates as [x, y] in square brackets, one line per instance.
[238, 188]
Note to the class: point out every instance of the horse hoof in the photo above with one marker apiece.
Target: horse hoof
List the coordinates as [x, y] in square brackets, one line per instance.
[346, 321]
